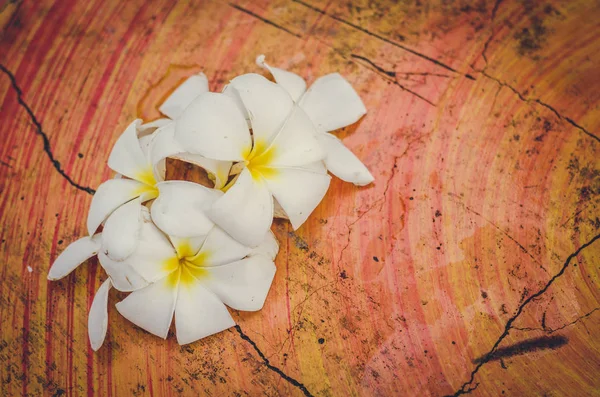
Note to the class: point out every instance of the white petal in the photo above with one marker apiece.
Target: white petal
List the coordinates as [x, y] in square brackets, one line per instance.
[74, 255]
[183, 95]
[268, 104]
[151, 308]
[180, 208]
[291, 82]
[149, 128]
[341, 162]
[332, 103]
[242, 285]
[269, 247]
[127, 157]
[199, 313]
[219, 248]
[122, 275]
[232, 93]
[98, 316]
[318, 167]
[213, 127]
[145, 145]
[155, 256]
[164, 145]
[121, 233]
[245, 211]
[296, 144]
[298, 191]
[108, 197]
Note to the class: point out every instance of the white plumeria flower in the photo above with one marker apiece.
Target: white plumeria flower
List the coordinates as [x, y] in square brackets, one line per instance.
[280, 159]
[331, 103]
[192, 279]
[142, 161]
[239, 276]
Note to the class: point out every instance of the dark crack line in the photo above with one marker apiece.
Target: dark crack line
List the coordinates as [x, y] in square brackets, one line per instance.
[491, 37]
[549, 330]
[423, 74]
[265, 20]
[391, 77]
[485, 48]
[464, 389]
[270, 366]
[39, 131]
[578, 319]
[521, 96]
[539, 102]
[495, 9]
[377, 67]
[377, 36]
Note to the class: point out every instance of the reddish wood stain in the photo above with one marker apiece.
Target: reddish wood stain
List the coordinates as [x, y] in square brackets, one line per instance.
[483, 134]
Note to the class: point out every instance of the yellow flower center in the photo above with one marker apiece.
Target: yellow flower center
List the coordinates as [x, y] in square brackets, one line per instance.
[187, 267]
[258, 160]
[148, 190]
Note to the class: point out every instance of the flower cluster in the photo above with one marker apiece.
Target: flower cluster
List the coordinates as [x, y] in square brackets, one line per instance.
[185, 251]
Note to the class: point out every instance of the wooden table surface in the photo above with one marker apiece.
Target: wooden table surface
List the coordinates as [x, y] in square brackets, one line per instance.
[471, 265]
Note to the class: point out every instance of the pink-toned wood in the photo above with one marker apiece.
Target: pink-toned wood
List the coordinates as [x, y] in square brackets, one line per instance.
[470, 263]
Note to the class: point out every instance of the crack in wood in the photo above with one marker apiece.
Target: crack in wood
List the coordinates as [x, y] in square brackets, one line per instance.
[391, 77]
[271, 366]
[263, 19]
[539, 102]
[495, 8]
[492, 34]
[384, 39]
[549, 330]
[39, 131]
[465, 388]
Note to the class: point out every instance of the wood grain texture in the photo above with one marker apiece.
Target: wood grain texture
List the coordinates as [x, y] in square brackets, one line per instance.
[470, 266]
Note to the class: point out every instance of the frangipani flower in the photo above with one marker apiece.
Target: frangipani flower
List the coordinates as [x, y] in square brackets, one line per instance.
[184, 251]
[142, 161]
[331, 103]
[280, 159]
[192, 279]
[228, 272]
